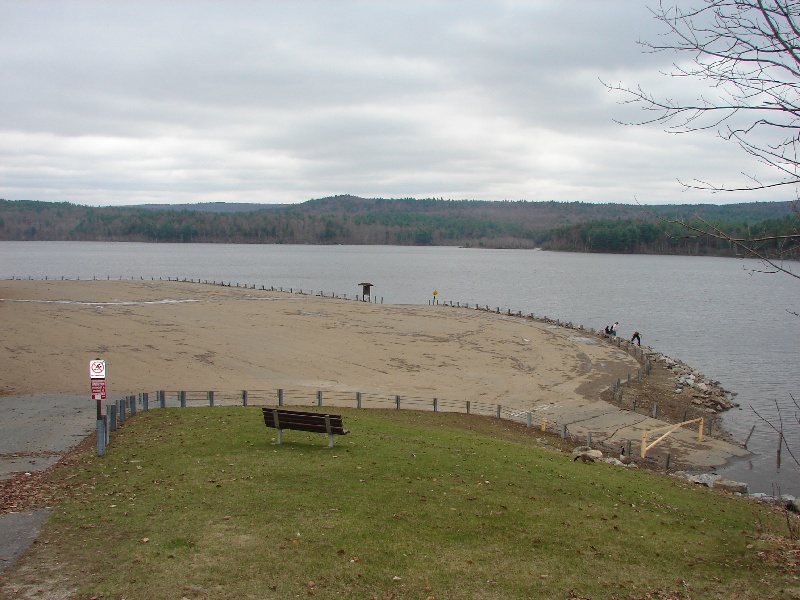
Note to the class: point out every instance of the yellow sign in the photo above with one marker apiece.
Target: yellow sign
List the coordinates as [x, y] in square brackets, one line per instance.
[435, 293]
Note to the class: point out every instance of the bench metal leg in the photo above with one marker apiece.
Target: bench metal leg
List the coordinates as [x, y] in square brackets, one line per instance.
[328, 427]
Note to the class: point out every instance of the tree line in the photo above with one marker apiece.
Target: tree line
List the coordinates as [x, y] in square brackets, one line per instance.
[564, 226]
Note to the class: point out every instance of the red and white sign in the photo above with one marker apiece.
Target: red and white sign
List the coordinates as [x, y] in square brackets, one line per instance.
[98, 389]
[97, 369]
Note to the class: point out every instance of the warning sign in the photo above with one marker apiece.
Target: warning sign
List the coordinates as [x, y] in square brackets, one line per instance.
[98, 389]
[97, 369]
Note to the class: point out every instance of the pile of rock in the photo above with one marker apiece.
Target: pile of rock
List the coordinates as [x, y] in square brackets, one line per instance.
[705, 393]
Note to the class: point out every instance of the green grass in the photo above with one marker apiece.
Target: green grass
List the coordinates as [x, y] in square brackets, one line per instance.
[201, 503]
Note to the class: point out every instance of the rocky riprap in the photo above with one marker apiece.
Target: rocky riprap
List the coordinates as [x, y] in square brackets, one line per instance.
[705, 393]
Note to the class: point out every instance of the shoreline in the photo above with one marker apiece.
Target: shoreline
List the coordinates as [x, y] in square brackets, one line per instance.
[191, 335]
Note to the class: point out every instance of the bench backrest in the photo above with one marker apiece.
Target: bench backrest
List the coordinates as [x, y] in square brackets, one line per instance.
[302, 420]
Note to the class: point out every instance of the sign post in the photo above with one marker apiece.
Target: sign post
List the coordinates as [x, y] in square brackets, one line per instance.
[97, 378]
[435, 293]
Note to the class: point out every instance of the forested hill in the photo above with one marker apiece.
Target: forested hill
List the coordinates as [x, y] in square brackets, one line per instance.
[572, 226]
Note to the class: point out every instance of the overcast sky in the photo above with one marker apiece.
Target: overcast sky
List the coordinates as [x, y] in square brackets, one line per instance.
[131, 102]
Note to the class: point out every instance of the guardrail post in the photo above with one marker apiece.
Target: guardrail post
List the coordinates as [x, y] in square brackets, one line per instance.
[563, 432]
[655, 410]
[244, 397]
[101, 438]
[358, 399]
[280, 397]
[319, 397]
[145, 402]
[468, 406]
[529, 419]
[113, 409]
[132, 400]
[162, 398]
[121, 404]
[435, 405]
[210, 396]
[499, 408]
[397, 402]
[589, 439]
[182, 398]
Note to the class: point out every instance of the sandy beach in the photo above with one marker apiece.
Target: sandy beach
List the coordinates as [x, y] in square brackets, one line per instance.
[191, 336]
[170, 335]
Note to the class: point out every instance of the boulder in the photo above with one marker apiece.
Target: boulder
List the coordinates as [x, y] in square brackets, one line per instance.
[588, 451]
[729, 485]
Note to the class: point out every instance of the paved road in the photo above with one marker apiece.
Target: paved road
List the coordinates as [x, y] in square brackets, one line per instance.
[34, 432]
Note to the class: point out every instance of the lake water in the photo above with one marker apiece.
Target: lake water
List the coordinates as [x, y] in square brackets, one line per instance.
[720, 316]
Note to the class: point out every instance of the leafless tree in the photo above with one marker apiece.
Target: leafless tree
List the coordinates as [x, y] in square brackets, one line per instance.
[748, 54]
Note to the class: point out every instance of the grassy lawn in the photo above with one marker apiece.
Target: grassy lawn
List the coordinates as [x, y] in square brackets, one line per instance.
[200, 503]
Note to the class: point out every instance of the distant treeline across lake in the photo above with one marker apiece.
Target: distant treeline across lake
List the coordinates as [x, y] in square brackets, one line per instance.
[348, 220]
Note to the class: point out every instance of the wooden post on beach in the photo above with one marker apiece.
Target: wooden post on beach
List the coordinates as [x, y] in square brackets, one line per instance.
[544, 424]
[435, 405]
[747, 439]
[397, 402]
[280, 397]
[499, 408]
[244, 397]
[319, 397]
[358, 399]
[529, 417]
[210, 397]
[563, 432]
[182, 398]
[589, 439]
[468, 406]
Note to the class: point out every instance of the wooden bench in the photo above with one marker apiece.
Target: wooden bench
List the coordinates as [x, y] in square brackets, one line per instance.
[281, 418]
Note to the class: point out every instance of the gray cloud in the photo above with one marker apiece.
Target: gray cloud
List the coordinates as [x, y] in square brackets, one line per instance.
[176, 101]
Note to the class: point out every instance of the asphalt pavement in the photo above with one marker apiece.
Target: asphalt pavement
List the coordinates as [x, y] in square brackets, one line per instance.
[35, 431]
